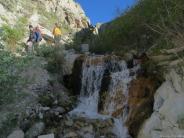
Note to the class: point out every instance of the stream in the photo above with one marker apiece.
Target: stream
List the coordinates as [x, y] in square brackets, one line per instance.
[115, 98]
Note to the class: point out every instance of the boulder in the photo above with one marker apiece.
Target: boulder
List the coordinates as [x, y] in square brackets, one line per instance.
[69, 59]
[58, 110]
[172, 108]
[153, 123]
[177, 80]
[46, 136]
[70, 135]
[167, 118]
[16, 134]
[88, 135]
[163, 92]
[35, 130]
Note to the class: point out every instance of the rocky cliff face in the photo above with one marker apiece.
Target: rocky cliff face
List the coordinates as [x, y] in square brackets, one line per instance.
[44, 12]
[168, 116]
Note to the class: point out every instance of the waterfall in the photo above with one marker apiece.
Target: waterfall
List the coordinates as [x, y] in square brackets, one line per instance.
[117, 98]
[120, 130]
[93, 71]
[118, 88]
[92, 75]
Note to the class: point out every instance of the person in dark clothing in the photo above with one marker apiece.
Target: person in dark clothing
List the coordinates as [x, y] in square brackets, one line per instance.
[34, 38]
[31, 39]
[31, 33]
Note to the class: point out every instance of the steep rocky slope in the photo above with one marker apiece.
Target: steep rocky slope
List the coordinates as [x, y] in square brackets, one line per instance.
[44, 12]
[35, 82]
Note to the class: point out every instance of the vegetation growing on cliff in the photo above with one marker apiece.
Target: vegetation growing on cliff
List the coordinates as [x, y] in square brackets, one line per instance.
[11, 35]
[155, 24]
[10, 79]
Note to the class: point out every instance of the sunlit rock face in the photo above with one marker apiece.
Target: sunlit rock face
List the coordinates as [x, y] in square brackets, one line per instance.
[167, 118]
[44, 12]
[68, 11]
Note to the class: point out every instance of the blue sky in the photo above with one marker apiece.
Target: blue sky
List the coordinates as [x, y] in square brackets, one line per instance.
[104, 10]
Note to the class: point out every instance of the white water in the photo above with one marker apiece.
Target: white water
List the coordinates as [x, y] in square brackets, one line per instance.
[119, 83]
[91, 84]
[120, 130]
[119, 87]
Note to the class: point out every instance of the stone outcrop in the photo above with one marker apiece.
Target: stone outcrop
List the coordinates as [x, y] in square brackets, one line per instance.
[167, 118]
[35, 130]
[87, 128]
[46, 136]
[76, 77]
[140, 103]
[16, 134]
[44, 12]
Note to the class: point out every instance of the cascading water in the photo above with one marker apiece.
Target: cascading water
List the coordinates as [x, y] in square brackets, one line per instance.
[118, 88]
[92, 74]
[91, 83]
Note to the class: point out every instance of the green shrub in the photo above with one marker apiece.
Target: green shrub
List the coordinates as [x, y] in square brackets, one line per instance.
[55, 58]
[13, 34]
[46, 100]
[180, 122]
[10, 36]
[10, 67]
[8, 125]
[55, 62]
[45, 51]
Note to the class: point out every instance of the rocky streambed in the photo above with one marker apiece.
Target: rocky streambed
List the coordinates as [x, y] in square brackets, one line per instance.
[102, 96]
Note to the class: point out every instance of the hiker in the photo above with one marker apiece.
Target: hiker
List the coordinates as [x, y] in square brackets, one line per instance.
[34, 38]
[38, 35]
[57, 35]
[29, 43]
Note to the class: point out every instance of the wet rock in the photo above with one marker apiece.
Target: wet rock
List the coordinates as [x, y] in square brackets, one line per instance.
[130, 63]
[58, 110]
[35, 130]
[46, 136]
[117, 112]
[103, 90]
[77, 75]
[140, 103]
[16, 134]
